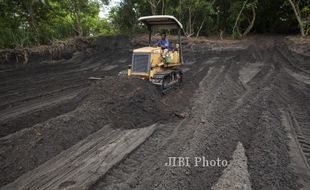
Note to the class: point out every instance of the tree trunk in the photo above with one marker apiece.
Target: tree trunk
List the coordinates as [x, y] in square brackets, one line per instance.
[180, 2]
[298, 17]
[154, 4]
[308, 28]
[190, 20]
[238, 17]
[31, 20]
[163, 7]
[251, 24]
[202, 23]
[189, 27]
[78, 27]
[221, 35]
[76, 18]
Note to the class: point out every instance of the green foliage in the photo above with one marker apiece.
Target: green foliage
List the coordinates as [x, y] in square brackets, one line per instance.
[274, 16]
[241, 12]
[306, 15]
[33, 22]
[125, 16]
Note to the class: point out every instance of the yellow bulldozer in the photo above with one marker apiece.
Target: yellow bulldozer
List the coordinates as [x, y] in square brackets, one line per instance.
[157, 64]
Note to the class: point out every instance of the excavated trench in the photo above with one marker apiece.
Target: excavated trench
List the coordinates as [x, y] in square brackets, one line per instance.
[233, 93]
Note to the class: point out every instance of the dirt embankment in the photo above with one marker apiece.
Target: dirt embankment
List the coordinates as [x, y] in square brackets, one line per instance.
[299, 44]
[61, 49]
[56, 51]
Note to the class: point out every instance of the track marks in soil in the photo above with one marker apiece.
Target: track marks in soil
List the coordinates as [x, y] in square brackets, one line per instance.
[249, 71]
[301, 123]
[181, 141]
[217, 114]
[82, 164]
[108, 100]
[37, 92]
[222, 112]
[298, 159]
[28, 114]
[298, 76]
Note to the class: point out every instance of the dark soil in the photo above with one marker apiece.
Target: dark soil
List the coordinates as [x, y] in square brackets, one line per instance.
[121, 102]
[233, 91]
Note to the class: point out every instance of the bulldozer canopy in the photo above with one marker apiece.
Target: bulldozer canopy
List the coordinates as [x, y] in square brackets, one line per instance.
[161, 21]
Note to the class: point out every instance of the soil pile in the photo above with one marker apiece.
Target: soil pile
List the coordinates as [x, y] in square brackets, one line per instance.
[126, 102]
[57, 51]
[121, 102]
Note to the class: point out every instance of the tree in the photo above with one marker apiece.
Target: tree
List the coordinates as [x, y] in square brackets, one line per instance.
[154, 4]
[302, 22]
[79, 10]
[243, 17]
[33, 22]
[194, 14]
[125, 16]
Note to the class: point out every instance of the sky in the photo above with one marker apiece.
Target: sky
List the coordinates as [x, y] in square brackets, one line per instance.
[105, 9]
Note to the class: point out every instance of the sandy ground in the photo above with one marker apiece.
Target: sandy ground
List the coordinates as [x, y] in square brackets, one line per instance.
[236, 175]
[233, 92]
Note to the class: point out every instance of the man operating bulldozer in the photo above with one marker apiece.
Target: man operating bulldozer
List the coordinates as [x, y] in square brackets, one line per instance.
[163, 42]
[165, 45]
[159, 62]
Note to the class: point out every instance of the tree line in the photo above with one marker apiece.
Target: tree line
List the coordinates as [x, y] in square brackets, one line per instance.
[209, 17]
[33, 22]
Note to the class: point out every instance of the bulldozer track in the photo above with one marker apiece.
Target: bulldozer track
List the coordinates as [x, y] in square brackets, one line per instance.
[301, 125]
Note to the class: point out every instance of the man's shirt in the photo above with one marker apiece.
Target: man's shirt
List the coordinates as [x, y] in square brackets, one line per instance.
[163, 42]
